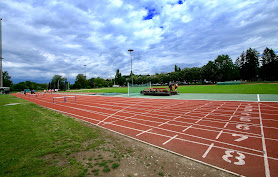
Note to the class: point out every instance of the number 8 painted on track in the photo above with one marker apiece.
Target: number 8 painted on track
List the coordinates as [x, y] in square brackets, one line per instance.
[239, 158]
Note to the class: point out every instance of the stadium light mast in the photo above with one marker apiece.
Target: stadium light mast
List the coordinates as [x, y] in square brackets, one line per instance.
[131, 74]
[1, 58]
[85, 71]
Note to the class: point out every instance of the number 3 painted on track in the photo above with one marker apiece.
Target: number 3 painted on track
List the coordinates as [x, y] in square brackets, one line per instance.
[239, 158]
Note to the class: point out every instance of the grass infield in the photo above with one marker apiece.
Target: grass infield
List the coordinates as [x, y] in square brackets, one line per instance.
[270, 88]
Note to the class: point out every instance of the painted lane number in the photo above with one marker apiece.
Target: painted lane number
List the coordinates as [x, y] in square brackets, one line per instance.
[239, 157]
[242, 127]
[242, 137]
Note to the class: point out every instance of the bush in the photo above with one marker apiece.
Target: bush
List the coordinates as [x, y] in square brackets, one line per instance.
[115, 165]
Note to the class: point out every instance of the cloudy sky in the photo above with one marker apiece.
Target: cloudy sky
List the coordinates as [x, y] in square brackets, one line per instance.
[42, 38]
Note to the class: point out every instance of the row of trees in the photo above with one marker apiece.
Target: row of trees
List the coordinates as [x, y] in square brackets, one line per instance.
[250, 65]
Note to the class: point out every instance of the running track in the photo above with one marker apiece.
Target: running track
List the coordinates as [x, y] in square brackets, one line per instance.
[240, 137]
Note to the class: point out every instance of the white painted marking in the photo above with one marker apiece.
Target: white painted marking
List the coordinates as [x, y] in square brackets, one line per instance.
[116, 113]
[227, 122]
[170, 139]
[219, 134]
[240, 158]
[144, 132]
[242, 137]
[225, 125]
[258, 96]
[245, 118]
[198, 120]
[107, 122]
[179, 116]
[242, 127]
[207, 151]
[11, 104]
[187, 128]
[266, 164]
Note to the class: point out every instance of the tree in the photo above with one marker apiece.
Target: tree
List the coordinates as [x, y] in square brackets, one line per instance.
[80, 81]
[196, 74]
[19, 87]
[119, 80]
[268, 70]
[248, 63]
[91, 83]
[28, 85]
[57, 81]
[209, 72]
[6, 79]
[225, 68]
[164, 78]
[99, 82]
[177, 68]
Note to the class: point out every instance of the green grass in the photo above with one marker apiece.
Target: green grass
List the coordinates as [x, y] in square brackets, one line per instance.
[103, 90]
[34, 140]
[236, 89]
[241, 89]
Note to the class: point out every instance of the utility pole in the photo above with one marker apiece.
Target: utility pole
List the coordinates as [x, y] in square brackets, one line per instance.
[85, 71]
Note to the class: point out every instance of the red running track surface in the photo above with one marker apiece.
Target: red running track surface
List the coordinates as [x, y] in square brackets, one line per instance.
[240, 137]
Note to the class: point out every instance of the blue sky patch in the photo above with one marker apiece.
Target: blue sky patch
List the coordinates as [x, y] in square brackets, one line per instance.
[180, 2]
[151, 14]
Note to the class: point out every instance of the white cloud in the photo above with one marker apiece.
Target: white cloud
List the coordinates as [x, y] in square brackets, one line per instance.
[62, 36]
[117, 3]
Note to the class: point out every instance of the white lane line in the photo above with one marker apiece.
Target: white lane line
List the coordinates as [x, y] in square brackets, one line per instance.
[118, 112]
[187, 128]
[204, 116]
[177, 117]
[266, 165]
[170, 139]
[144, 132]
[198, 120]
[258, 96]
[187, 135]
[112, 115]
[195, 142]
[271, 106]
[207, 151]
[219, 134]
[227, 122]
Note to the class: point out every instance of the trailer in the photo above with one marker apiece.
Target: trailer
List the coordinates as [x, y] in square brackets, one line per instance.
[158, 92]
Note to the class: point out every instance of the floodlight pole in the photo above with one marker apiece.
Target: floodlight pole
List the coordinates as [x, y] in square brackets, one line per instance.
[1, 58]
[85, 70]
[131, 74]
